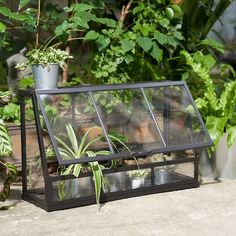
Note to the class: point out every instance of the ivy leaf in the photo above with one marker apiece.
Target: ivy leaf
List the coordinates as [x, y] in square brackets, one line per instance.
[2, 27]
[91, 35]
[145, 43]
[127, 45]
[156, 52]
[102, 42]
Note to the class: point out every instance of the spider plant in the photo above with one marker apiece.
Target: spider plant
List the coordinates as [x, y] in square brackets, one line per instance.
[76, 151]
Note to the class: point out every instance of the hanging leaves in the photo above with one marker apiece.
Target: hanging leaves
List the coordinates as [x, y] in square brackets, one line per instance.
[5, 140]
[10, 176]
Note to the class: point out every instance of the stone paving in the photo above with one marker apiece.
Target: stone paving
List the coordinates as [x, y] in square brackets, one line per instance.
[208, 210]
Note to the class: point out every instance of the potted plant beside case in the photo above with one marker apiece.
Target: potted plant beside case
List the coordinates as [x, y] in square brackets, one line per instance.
[45, 66]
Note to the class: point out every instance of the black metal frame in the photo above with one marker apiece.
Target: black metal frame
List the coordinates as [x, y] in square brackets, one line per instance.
[50, 205]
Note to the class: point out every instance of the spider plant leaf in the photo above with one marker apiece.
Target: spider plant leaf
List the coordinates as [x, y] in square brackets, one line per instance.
[90, 143]
[97, 174]
[119, 141]
[83, 140]
[61, 189]
[76, 170]
[103, 153]
[66, 147]
[72, 138]
[65, 155]
[68, 170]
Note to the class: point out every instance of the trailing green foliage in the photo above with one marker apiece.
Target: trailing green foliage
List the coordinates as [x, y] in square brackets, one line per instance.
[45, 57]
[10, 175]
[5, 140]
[9, 170]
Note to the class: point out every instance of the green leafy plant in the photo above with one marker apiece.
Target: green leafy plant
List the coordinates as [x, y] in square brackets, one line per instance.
[75, 151]
[9, 170]
[9, 108]
[5, 140]
[45, 57]
[144, 45]
[218, 111]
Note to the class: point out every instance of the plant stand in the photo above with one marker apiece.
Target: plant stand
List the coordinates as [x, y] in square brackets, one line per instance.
[142, 134]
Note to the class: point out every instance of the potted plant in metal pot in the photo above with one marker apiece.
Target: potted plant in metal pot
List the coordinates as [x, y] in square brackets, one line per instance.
[45, 64]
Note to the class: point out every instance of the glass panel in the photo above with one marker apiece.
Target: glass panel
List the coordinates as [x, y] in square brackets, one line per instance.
[176, 116]
[127, 180]
[34, 174]
[74, 124]
[126, 117]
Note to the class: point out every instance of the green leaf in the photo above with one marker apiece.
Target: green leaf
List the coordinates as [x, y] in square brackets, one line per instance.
[145, 43]
[215, 126]
[214, 44]
[5, 140]
[207, 60]
[91, 35]
[160, 37]
[108, 22]
[97, 174]
[66, 147]
[127, 45]
[79, 7]
[178, 35]
[23, 3]
[11, 174]
[169, 12]
[177, 11]
[156, 52]
[231, 138]
[72, 138]
[76, 170]
[2, 27]
[102, 42]
[61, 29]
[68, 170]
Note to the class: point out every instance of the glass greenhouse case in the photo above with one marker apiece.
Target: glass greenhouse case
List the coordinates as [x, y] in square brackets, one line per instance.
[107, 142]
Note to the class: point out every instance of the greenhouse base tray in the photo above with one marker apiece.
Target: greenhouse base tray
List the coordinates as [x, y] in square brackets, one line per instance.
[173, 182]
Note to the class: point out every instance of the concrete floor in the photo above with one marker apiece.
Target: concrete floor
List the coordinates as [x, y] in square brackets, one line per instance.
[208, 210]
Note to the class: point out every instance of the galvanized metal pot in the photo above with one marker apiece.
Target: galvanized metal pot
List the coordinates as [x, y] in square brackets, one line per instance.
[46, 77]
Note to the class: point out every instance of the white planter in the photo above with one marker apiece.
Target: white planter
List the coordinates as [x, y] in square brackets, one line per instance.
[46, 77]
[137, 182]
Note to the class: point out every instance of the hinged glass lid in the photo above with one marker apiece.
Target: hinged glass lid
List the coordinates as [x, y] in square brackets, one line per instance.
[121, 120]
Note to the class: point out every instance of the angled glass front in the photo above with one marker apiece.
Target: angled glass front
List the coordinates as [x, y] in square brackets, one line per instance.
[121, 119]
